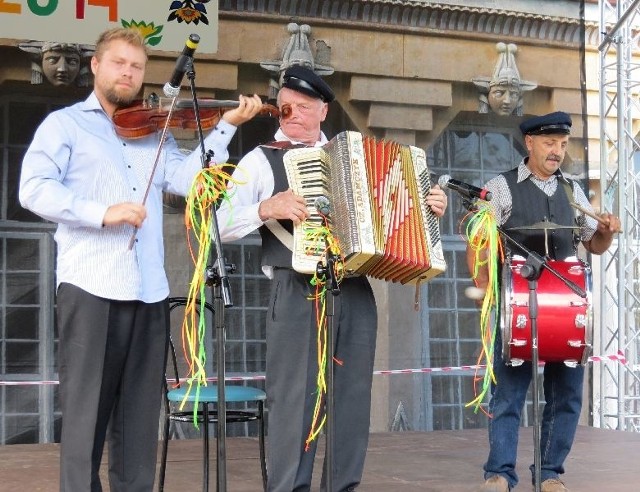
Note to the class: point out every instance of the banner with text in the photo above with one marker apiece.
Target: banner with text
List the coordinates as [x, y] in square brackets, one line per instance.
[165, 24]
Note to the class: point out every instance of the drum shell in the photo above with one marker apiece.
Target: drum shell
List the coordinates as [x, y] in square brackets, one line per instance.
[564, 321]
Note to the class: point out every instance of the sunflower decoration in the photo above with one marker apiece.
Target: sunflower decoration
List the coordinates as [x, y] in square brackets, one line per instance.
[148, 31]
[189, 11]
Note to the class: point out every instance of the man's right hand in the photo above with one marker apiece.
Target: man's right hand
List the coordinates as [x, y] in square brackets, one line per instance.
[125, 213]
[284, 205]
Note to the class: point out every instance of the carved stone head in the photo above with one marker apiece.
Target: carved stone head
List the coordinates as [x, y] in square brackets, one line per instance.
[297, 52]
[61, 64]
[502, 93]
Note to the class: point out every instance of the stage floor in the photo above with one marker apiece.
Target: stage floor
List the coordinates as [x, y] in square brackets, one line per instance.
[601, 460]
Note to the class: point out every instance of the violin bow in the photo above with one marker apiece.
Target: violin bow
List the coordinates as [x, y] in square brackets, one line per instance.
[163, 136]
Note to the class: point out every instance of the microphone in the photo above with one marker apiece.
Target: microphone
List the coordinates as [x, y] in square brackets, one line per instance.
[465, 189]
[172, 88]
[322, 205]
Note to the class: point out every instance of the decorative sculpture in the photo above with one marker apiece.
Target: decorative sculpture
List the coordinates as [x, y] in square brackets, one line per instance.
[297, 52]
[502, 93]
[60, 63]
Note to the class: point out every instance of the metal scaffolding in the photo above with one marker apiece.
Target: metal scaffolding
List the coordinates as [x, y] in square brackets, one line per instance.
[616, 387]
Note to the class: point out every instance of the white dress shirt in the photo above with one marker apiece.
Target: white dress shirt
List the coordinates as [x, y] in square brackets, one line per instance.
[239, 216]
[76, 167]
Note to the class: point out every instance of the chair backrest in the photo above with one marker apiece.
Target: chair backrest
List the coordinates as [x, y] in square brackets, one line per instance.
[172, 371]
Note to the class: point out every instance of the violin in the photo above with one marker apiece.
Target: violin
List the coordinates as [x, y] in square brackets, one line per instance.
[148, 116]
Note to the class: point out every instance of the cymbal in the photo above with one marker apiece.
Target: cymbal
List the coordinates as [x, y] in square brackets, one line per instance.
[542, 226]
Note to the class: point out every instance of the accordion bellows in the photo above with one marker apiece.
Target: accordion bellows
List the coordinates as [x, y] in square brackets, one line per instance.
[378, 212]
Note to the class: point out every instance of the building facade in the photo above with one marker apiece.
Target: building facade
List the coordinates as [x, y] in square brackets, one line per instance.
[454, 78]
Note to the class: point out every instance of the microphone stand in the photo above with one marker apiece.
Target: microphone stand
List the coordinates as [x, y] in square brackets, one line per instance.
[217, 277]
[531, 270]
[328, 271]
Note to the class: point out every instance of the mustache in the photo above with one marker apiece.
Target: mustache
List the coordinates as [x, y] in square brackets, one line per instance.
[554, 157]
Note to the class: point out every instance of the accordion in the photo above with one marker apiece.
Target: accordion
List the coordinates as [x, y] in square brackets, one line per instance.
[378, 213]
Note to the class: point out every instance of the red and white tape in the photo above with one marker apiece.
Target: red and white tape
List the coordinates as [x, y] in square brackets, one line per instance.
[619, 357]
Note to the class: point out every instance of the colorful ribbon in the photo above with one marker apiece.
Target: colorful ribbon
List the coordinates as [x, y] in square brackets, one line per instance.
[319, 239]
[484, 241]
[208, 188]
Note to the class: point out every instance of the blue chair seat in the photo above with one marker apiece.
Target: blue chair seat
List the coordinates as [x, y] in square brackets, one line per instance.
[209, 394]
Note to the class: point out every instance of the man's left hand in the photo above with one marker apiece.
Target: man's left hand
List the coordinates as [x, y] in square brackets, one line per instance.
[248, 108]
[437, 200]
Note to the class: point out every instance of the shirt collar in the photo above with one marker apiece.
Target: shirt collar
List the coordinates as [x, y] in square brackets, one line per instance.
[525, 173]
[91, 103]
[280, 136]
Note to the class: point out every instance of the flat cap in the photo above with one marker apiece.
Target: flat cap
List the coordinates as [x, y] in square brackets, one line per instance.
[301, 79]
[548, 124]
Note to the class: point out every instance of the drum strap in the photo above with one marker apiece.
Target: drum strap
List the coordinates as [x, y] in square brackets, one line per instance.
[568, 188]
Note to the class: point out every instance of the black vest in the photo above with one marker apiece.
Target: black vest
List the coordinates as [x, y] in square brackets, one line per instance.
[531, 205]
[274, 253]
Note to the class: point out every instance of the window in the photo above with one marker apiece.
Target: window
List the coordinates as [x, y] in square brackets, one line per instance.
[472, 152]
[28, 338]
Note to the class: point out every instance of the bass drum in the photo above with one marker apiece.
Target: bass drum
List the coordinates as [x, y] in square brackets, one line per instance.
[565, 319]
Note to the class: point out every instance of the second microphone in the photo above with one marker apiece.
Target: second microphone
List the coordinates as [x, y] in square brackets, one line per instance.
[172, 88]
[465, 189]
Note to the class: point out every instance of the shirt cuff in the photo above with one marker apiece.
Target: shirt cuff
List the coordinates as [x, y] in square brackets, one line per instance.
[93, 215]
[223, 132]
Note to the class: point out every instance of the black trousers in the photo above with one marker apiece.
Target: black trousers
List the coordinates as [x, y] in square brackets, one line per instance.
[292, 369]
[111, 363]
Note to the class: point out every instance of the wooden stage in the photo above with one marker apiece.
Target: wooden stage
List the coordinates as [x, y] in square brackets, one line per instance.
[601, 461]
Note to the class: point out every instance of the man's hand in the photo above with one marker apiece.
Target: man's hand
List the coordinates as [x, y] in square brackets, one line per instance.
[608, 225]
[437, 200]
[125, 213]
[482, 278]
[248, 108]
[284, 205]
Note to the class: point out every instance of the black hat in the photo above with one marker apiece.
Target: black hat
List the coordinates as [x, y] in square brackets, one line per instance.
[548, 124]
[301, 79]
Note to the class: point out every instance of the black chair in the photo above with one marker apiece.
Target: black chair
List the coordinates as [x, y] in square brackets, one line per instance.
[207, 413]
